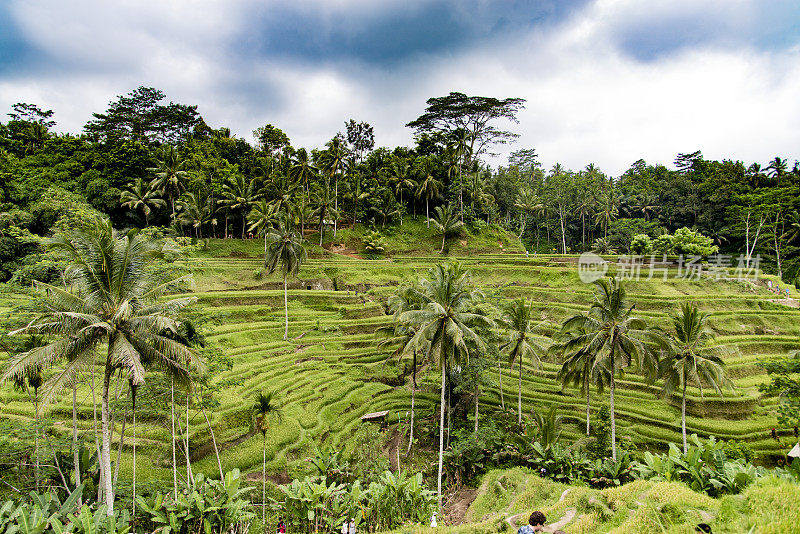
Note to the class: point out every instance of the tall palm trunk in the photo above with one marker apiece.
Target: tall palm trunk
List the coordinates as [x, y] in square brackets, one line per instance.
[477, 397]
[174, 455]
[335, 205]
[427, 213]
[105, 458]
[500, 376]
[441, 437]
[613, 421]
[36, 435]
[413, 398]
[285, 308]
[133, 407]
[189, 475]
[213, 440]
[96, 439]
[519, 395]
[264, 485]
[587, 404]
[76, 455]
[683, 418]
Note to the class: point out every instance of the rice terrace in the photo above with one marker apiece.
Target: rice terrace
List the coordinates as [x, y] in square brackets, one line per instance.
[256, 314]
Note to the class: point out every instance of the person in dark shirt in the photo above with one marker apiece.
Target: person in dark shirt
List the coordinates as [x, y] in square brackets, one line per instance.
[535, 523]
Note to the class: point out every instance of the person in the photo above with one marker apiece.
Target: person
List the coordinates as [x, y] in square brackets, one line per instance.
[352, 526]
[703, 527]
[344, 526]
[535, 523]
[433, 520]
[281, 526]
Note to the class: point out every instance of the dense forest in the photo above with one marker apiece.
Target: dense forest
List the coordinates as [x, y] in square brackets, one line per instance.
[145, 162]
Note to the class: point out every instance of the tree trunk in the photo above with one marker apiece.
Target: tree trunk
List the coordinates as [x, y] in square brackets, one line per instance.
[441, 437]
[683, 417]
[105, 460]
[36, 436]
[189, 475]
[213, 440]
[335, 205]
[777, 246]
[285, 308]
[428, 219]
[413, 398]
[500, 375]
[477, 397]
[264, 486]
[174, 455]
[587, 404]
[76, 455]
[613, 422]
[133, 408]
[96, 439]
[441, 251]
[119, 448]
[519, 394]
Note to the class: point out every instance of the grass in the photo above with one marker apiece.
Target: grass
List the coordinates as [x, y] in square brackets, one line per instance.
[330, 371]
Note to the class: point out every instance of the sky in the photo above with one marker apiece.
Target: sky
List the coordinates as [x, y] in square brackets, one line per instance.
[606, 81]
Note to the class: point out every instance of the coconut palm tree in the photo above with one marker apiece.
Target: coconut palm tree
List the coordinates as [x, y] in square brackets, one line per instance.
[171, 174]
[301, 170]
[284, 252]
[607, 210]
[142, 197]
[579, 367]
[239, 194]
[429, 186]
[444, 327]
[401, 170]
[323, 203]
[446, 222]
[262, 217]
[615, 338]
[264, 408]
[691, 358]
[31, 378]
[334, 160]
[114, 299]
[518, 343]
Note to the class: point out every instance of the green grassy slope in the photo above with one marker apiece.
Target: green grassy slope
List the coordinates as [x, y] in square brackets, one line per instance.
[330, 371]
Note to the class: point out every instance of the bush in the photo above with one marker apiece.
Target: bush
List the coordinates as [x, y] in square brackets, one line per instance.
[641, 244]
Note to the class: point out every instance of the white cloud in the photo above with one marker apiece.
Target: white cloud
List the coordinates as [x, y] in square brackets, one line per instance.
[587, 101]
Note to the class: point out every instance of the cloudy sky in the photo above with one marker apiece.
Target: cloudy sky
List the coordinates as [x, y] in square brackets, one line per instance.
[606, 81]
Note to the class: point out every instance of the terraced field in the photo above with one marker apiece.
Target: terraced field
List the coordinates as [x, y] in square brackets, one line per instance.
[330, 371]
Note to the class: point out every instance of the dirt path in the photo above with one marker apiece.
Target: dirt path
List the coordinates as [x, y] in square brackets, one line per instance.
[456, 508]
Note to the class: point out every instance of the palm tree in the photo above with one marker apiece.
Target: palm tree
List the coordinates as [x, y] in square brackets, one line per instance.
[323, 202]
[401, 170]
[114, 300]
[262, 218]
[614, 337]
[32, 378]
[263, 408]
[429, 186]
[334, 159]
[170, 171]
[197, 209]
[691, 358]
[446, 222]
[607, 211]
[527, 202]
[142, 197]
[285, 251]
[579, 367]
[302, 170]
[518, 344]
[776, 169]
[239, 194]
[444, 328]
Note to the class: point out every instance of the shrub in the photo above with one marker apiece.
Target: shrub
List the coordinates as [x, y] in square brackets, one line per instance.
[641, 244]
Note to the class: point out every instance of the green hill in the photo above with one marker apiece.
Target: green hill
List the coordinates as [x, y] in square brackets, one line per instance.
[330, 371]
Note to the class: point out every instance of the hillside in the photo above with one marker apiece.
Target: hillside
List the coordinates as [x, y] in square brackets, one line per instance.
[330, 371]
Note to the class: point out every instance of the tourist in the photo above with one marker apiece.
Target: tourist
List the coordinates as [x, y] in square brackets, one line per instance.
[281, 526]
[352, 526]
[433, 521]
[344, 526]
[535, 523]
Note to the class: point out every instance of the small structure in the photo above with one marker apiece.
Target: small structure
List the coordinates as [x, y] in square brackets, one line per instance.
[377, 417]
[795, 452]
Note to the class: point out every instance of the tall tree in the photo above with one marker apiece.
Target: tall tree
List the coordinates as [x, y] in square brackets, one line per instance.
[615, 338]
[691, 358]
[403, 181]
[285, 253]
[264, 408]
[171, 174]
[262, 218]
[323, 207]
[114, 300]
[474, 115]
[142, 197]
[334, 159]
[239, 194]
[444, 325]
[446, 221]
[519, 343]
[429, 186]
